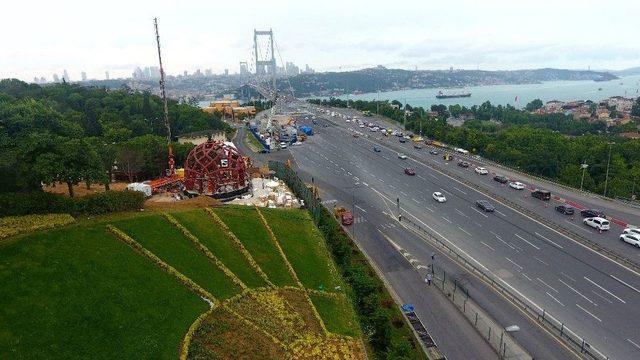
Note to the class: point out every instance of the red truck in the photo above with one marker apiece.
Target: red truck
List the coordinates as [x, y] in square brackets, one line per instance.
[344, 215]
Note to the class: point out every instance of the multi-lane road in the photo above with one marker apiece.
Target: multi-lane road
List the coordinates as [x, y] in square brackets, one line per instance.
[593, 296]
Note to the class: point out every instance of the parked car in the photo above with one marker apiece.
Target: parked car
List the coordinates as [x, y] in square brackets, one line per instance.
[433, 152]
[631, 238]
[501, 179]
[402, 156]
[463, 164]
[409, 171]
[480, 170]
[417, 146]
[377, 149]
[355, 135]
[485, 205]
[439, 197]
[565, 209]
[597, 223]
[541, 194]
[631, 231]
[516, 185]
[403, 140]
[588, 213]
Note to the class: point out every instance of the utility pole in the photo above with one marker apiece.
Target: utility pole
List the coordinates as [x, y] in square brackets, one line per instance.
[405, 114]
[378, 102]
[584, 167]
[606, 179]
[171, 160]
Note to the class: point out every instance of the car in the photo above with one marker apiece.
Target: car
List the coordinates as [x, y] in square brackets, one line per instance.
[433, 152]
[377, 149]
[631, 231]
[283, 145]
[297, 143]
[403, 140]
[541, 194]
[480, 170]
[463, 164]
[439, 197]
[409, 171]
[597, 223]
[355, 135]
[501, 179]
[402, 156]
[631, 238]
[565, 209]
[516, 185]
[348, 120]
[361, 126]
[589, 213]
[485, 205]
[417, 146]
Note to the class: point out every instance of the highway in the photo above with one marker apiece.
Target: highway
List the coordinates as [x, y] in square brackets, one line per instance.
[592, 295]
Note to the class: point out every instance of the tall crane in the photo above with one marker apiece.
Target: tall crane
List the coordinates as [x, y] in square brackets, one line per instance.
[171, 160]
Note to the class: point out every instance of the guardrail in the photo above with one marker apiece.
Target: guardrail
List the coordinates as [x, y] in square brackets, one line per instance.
[556, 327]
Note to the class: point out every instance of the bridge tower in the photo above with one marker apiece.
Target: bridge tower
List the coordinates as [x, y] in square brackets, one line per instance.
[265, 63]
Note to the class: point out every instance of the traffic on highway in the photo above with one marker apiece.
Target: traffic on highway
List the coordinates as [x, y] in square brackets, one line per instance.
[485, 212]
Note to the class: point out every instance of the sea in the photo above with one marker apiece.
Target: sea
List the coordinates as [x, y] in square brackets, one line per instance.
[514, 95]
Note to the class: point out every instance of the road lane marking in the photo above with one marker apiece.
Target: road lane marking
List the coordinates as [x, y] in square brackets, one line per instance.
[361, 209]
[449, 221]
[403, 193]
[448, 192]
[365, 184]
[479, 212]
[624, 283]
[553, 242]
[514, 263]
[585, 310]
[391, 186]
[579, 227]
[487, 245]
[605, 290]
[433, 176]
[416, 201]
[577, 292]
[464, 231]
[461, 213]
[540, 260]
[381, 180]
[549, 286]
[527, 241]
[460, 190]
[430, 209]
[525, 275]
[501, 213]
[634, 344]
[567, 276]
[602, 297]
[421, 177]
[558, 301]
[504, 242]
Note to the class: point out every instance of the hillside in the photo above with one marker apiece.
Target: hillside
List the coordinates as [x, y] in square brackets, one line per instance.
[231, 282]
[380, 78]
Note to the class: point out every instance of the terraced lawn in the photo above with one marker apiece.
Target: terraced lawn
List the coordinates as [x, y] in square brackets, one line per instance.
[304, 247]
[79, 293]
[336, 314]
[207, 231]
[246, 225]
[167, 242]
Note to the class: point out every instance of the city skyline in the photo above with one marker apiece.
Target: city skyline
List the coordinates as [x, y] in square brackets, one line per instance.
[336, 37]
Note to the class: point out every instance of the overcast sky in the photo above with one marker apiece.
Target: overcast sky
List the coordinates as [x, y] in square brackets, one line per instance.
[39, 38]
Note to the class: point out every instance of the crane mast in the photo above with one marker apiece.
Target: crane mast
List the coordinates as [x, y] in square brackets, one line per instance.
[171, 161]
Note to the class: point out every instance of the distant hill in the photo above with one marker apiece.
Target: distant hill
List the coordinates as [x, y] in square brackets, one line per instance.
[383, 79]
[628, 72]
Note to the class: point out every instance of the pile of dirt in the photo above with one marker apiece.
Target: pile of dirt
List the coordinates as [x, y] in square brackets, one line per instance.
[81, 189]
[168, 202]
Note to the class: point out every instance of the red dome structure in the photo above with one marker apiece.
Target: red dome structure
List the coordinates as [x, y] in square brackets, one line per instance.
[216, 169]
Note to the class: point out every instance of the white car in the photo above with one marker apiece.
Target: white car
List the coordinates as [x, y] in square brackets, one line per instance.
[402, 156]
[439, 197]
[631, 238]
[297, 143]
[361, 126]
[348, 120]
[481, 171]
[283, 145]
[516, 185]
[597, 223]
[631, 231]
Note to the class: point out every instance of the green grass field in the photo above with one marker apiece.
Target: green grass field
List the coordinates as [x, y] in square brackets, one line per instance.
[245, 223]
[168, 243]
[304, 247]
[78, 292]
[202, 226]
[336, 314]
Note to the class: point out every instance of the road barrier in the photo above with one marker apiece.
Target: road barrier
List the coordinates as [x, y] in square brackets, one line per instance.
[555, 326]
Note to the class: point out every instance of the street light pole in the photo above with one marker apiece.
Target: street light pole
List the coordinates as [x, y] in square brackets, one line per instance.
[606, 179]
[584, 167]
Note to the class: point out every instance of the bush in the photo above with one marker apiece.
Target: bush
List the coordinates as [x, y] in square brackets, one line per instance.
[39, 202]
[14, 225]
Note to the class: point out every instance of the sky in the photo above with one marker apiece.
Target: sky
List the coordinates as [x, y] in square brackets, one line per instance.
[40, 38]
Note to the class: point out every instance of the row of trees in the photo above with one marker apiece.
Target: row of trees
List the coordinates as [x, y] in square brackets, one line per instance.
[527, 142]
[67, 133]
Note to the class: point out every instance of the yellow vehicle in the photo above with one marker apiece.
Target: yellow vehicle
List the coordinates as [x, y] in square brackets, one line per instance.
[417, 139]
[437, 144]
[447, 157]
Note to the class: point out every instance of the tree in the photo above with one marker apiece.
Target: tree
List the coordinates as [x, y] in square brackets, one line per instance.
[130, 161]
[635, 109]
[534, 105]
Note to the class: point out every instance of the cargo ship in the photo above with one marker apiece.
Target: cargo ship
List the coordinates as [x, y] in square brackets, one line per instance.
[441, 95]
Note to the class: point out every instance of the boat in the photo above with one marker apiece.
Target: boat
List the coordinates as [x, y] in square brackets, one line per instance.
[441, 95]
[599, 89]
